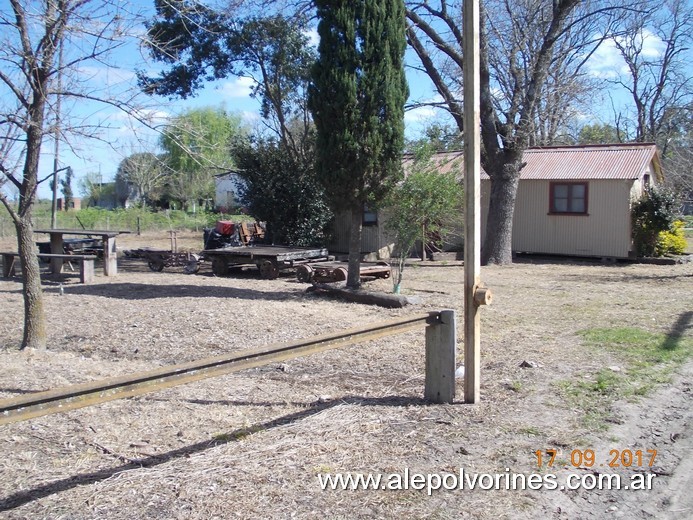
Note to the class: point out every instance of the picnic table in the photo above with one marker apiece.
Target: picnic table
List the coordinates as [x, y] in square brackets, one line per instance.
[108, 239]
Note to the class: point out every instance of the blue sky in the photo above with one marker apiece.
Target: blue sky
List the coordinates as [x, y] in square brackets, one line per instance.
[122, 135]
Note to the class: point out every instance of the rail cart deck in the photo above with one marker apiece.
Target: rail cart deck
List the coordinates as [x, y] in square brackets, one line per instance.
[157, 259]
[337, 271]
[268, 259]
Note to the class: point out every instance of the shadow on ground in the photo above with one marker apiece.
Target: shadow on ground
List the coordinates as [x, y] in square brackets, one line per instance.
[144, 291]
[29, 495]
[678, 331]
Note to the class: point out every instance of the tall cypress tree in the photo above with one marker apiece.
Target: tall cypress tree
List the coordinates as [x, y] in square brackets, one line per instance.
[357, 99]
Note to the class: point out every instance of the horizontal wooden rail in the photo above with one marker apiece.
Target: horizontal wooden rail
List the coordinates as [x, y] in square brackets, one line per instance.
[87, 394]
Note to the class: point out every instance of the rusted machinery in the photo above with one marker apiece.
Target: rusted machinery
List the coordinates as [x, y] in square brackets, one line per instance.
[337, 272]
[270, 260]
[158, 259]
[229, 245]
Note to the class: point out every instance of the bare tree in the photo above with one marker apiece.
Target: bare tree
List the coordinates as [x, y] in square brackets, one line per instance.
[32, 31]
[533, 57]
[140, 175]
[678, 161]
[524, 46]
[656, 48]
[434, 32]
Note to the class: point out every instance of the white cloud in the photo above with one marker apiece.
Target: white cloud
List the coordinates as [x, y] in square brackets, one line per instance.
[238, 88]
[424, 113]
[653, 46]
[607, 63]
[250, 117]
[313, 37]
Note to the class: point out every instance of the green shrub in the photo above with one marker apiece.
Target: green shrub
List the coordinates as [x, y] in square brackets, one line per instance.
[653, 213]
[671, 242]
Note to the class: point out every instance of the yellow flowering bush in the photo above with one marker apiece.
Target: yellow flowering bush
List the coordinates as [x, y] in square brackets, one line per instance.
[671, 242]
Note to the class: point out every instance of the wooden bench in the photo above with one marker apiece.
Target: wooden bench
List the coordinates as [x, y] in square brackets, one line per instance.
[86, 264]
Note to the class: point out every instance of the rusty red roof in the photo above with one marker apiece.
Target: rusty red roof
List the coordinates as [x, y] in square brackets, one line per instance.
[622, 161]
[444, 162]
[588, 162]
[584, 162]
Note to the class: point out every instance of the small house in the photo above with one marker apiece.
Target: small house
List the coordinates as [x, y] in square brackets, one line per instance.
[576, 200]
[376, 244]
[75, 204]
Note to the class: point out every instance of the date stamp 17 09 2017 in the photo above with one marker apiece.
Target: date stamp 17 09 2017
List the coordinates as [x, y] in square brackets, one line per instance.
[587, 458]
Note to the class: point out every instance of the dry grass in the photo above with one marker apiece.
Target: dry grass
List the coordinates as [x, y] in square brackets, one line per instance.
[251, 445]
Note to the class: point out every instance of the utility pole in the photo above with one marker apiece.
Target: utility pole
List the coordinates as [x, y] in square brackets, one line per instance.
[56, 150]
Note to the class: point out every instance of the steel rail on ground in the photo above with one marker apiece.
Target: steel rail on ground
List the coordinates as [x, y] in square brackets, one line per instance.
[87, 394]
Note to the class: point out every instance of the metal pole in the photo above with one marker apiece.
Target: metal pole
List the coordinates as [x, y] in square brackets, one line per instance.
[56, 152]
[472, 188]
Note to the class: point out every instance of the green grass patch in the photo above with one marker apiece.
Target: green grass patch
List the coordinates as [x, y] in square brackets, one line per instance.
[530, 430]
[645, 359]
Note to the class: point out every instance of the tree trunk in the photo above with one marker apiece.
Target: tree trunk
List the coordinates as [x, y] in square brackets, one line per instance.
[423, 243]
[34, 317]
[354, 277]
[498, 238]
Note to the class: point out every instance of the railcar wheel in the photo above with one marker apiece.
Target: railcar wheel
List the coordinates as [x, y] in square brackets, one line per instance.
[193, 265]
[340, 274]
[220, 266]
[268, 270]
[156, 265]
[304, 273]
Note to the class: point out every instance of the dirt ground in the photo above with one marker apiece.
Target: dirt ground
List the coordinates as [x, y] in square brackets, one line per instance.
[252, 444]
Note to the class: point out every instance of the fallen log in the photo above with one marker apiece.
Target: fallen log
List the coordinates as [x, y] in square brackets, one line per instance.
[391, 301]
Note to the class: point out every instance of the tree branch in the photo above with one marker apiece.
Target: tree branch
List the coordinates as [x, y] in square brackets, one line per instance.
[455, 107]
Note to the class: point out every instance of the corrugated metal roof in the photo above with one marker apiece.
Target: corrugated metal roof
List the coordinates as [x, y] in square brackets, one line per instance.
[587, 162]
[617, 161]
[627, 162]
[444, 161]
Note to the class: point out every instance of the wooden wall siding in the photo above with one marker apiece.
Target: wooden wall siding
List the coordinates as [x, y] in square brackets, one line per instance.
[373, 238]
[605, 231]
[639, 184]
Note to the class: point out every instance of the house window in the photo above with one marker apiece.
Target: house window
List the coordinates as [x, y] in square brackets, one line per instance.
[370, 217]
[568, 198]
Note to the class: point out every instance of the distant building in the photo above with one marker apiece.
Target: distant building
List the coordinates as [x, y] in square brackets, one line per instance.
[104, 196]
[75, 205]
[228, 186]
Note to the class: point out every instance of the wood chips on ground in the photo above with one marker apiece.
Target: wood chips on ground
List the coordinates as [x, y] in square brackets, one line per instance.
[252, 444]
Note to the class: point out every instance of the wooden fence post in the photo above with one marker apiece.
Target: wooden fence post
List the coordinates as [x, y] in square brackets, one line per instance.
[441, 348]
[472, 208]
